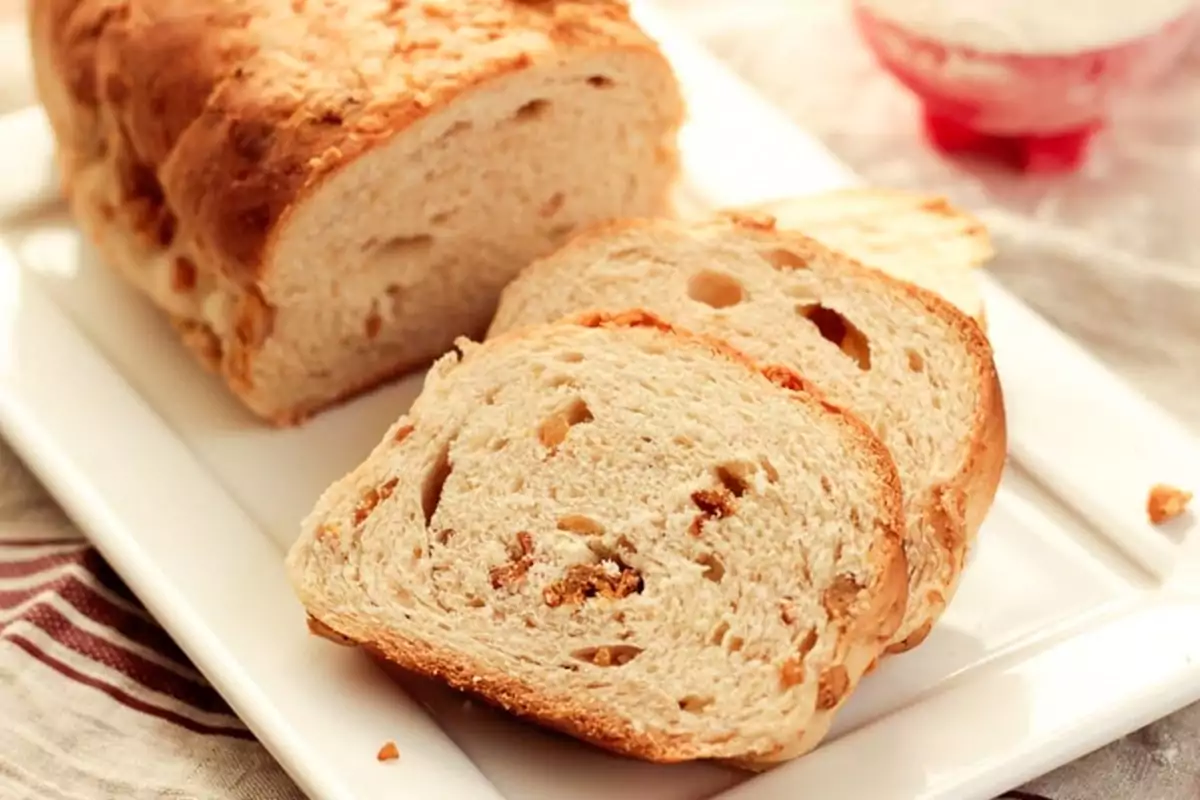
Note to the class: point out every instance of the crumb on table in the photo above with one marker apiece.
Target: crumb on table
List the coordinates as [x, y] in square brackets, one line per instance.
[388, 752]
[1166, 502]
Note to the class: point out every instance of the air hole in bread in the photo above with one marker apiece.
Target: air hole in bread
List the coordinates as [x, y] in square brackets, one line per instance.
[462, 126]
[714, 570]
[498, 444]
[826, 486]
[560, 232]
[735, 644]
[553, 431]
[916, 362]
[532, 110]
[398, 246]
[373, 322]
[717, 637]
[600, 82]
[695, 703]
[715, 289]
[630, 254]
[781, 258]
[442, 217]
[769, 468]
[571, 357]
[435, 481]
[839, 331]
[581, 524]
[558, 381]
[610, 655]
[632, 185]
[552, 205]
[734, 478]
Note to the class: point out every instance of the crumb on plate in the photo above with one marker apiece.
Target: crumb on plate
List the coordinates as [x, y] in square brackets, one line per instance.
[1166, 502]
[388, 752]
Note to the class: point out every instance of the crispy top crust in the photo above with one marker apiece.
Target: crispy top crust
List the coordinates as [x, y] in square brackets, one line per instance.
[231, 110]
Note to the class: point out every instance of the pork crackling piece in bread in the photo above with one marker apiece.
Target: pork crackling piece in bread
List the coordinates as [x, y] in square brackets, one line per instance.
[323, 195]
[624, 531]
[915, 368]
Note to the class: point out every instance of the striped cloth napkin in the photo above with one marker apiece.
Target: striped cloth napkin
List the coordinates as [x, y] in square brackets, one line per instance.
[95, 698]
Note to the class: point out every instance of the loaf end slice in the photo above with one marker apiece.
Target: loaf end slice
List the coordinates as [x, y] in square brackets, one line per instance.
[625, 532]
[915, 368]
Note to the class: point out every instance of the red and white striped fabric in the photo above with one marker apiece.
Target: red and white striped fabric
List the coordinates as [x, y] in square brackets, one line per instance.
[95, 698]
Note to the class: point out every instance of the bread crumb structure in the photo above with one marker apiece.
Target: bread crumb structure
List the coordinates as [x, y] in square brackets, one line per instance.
[917, 370]
[1166, 502]
[322, 196]
[660, 570]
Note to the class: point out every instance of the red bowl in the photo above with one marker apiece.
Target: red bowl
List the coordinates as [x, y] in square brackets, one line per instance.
[1037, 111]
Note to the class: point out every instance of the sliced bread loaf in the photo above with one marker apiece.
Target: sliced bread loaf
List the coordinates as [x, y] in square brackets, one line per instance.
[918, 238]
[624, 531]
[323, 195]
[915, 368]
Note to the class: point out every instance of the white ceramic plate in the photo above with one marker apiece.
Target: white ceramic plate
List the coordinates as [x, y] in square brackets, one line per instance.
[1076, 621]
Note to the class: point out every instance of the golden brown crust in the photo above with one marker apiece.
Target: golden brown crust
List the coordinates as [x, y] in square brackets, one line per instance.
[574, 716]
[229, 115]
[959, 505]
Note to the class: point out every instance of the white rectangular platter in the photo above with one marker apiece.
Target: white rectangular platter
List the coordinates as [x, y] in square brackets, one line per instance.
[1076, 622]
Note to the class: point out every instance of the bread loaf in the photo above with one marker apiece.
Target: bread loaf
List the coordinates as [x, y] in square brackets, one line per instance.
[325, 194]
[624, 531]
[918, 238]
[916, 369]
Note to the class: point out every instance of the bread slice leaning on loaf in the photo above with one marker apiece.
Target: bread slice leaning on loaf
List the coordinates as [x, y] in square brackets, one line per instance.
[324, 195]
[624, 531]
[918, 238]
[915, 368]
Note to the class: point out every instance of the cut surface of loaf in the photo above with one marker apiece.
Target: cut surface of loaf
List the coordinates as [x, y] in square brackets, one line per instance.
[918, 238]
[906, 361]
[324, 195]
[624, 531]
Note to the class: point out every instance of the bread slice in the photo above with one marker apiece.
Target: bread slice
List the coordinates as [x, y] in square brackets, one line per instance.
[323, 195]
[918, 238]
[624, 531]
[916, 369]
